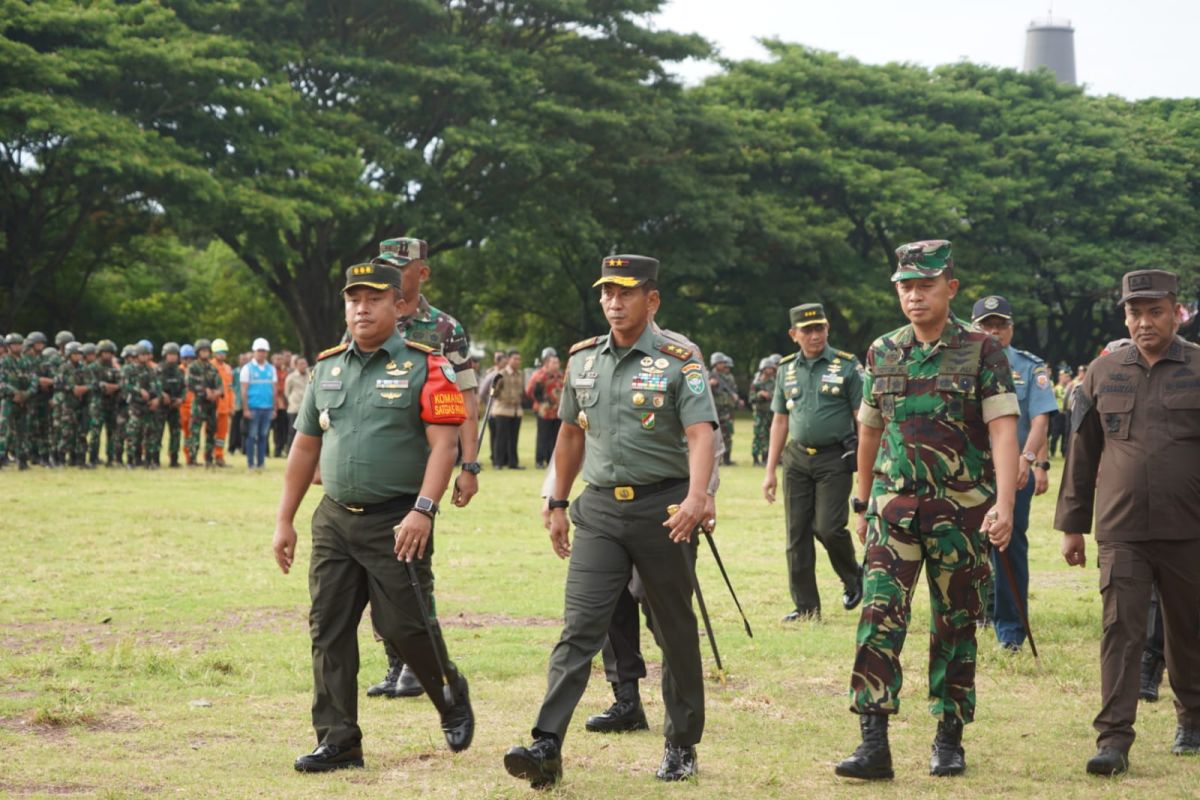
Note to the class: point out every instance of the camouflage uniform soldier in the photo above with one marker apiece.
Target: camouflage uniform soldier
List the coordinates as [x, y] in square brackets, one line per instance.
[128, 355]
[725, 393]
[38, 405]
[102, 404]
[14, 374]
[142, 391]
[761, 392]
[7, 392]
[71, 386]
[938, 406]
[174, 387]
[205, 383]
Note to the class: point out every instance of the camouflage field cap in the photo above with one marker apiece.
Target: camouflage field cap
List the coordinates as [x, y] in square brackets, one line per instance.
[627, 270]
[807, 314]
[400, 251]
[991, 306]
[926, 259]
[376, 275]
[1148, 283]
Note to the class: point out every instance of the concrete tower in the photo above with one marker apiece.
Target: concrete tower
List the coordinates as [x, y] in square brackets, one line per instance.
[1050, 43]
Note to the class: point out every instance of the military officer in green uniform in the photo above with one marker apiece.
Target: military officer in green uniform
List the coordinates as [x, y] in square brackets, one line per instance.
[381, 416]
[937, 475]
[816, 397]
[638, 404]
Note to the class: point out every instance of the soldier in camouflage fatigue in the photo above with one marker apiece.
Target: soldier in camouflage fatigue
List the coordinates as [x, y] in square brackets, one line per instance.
[139, 384]
[174, 387]
[102, 404]
[7, 391]
[761, 392]
[205, 383]
[725, 393]
[938, 407]
[38, 405]
[71, 386]
[14, 374]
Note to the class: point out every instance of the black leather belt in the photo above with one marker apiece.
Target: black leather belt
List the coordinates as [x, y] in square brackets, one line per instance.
[394, 504]
[827, 448]
[626, 493]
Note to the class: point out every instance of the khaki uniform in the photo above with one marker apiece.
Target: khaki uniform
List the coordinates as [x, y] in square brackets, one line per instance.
[1135, 455]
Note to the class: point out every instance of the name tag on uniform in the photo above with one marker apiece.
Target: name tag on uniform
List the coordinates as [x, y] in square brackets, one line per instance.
[391, 383]
[584, 383]
[827, 378]
[332, 385]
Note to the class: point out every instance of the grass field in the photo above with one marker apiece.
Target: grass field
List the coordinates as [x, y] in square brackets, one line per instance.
[149, 646]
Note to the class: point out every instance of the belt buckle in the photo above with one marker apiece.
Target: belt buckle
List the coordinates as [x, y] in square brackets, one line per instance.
[354, 509]
[812, 451]
[623, 492]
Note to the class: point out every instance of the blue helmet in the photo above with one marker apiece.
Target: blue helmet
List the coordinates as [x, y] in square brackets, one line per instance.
[146, 343]
[187, 351]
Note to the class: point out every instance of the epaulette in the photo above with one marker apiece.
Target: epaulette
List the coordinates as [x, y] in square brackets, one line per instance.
[585, 344]
[424, 348]
[789, 357]
[333, 351]
[845, 355]
[678, 351]
[1035, 359]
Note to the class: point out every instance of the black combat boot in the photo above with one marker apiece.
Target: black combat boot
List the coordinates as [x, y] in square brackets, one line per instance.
[1152, 675]
[458, 721]
[1108, 761]
[387, 686]
[408, 684]
[1187, 741]
[22, 465]
[540, 763]
[174, 460]
[871, 760]
[853, 593]
[678, 763]
[948, 756]
[625, 714]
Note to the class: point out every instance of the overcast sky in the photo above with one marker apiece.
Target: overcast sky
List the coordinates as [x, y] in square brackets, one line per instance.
[1149, 48]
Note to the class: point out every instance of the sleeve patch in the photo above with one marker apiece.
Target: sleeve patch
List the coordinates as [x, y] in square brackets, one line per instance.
[682, 353]
[441, 401]
[333, 351]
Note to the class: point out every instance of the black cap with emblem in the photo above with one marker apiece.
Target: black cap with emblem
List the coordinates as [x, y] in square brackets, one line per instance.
[627, 270]
[375, 275]
[1149, 284]
[991, 306]
[807, 314]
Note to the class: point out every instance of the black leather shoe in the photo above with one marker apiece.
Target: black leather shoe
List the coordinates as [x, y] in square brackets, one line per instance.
[853, 594]
[408, 685]
[803, 616]
[1187, 741]
[387, 686]
[1108, 761]
[626, 714]
[871, 760]
[458, 722]
[948, 756]
[540, 763]
[678, 763]
[328, 757]
[1152, 675]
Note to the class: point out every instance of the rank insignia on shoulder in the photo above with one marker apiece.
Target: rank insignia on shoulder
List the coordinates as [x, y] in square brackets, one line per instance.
[585, 344]
[678, 351]
[787, 358]
[333, 351]
[845, 355]
[424, 348]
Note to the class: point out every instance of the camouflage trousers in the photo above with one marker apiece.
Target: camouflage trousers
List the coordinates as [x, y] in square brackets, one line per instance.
[726, 423]
[170, 421]
[14, 429]
[958, 574]
[119, 439]
[71, 429]
[38, 425]
[139, 435]
[203, 415]
[762, 435]
[102, 419]
[55, 440]
[6, 421]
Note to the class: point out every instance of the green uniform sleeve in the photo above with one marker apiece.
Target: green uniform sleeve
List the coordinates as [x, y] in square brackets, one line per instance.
[694, 400]
[307, 420]
[568, 408]
[854, 385]
[868, 412]
[996, 388]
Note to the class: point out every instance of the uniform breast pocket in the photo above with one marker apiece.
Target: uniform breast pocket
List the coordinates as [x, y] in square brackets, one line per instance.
[1116, 414]
[585, 396]
[397, 398]
[329, 400]
[1183, 414]
[957, 391]
[884, 399]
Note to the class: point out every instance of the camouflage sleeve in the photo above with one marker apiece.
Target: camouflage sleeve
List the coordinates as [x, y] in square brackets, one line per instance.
[195, 378]
[457, 349]
[868, 411]
[996, 391]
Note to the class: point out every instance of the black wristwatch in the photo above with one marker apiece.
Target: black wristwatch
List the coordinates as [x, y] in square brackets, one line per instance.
[471, 467]
[426, 506]
[1042, 465]
[553, 504]
[859, 506]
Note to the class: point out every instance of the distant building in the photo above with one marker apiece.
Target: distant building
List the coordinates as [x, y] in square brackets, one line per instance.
[1050, 44]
